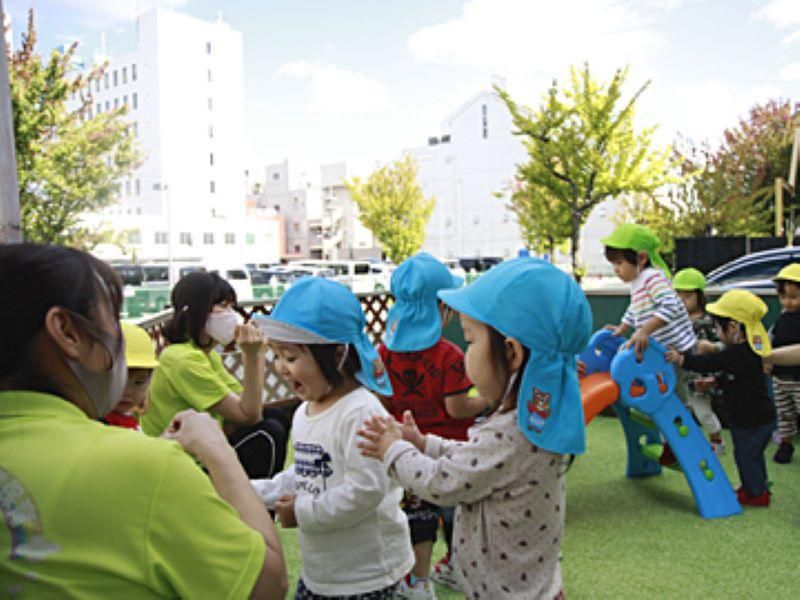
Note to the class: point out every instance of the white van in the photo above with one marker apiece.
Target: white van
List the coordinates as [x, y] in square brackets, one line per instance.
[355, 274]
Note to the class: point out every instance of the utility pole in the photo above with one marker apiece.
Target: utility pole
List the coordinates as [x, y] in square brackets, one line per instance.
[10, 230]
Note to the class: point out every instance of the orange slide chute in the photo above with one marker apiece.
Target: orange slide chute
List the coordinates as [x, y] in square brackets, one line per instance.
[598, 391]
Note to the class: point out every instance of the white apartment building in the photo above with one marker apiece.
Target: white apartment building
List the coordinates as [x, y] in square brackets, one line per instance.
[465, 167]
[183, 85]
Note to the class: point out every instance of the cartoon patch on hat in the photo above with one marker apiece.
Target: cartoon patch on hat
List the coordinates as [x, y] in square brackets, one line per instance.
[538, 410]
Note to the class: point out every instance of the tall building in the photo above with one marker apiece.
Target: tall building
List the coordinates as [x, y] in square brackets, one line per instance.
[464, 167]
[183, 85]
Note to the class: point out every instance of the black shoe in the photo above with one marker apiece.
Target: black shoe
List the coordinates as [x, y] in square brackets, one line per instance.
[784, 453]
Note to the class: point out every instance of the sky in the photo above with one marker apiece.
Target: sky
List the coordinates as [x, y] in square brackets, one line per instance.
[359, 81]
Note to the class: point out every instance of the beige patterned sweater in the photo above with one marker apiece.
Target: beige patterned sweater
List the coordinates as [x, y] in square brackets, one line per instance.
[510, 499]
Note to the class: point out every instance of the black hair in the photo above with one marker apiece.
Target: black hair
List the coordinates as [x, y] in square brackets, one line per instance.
[327, 361]
[193, 298]
[37, 277]
[780, 285]
[626, 254]
[722, 322]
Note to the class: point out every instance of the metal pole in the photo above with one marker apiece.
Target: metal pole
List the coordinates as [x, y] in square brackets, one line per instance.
[10, 229]
[778, 207]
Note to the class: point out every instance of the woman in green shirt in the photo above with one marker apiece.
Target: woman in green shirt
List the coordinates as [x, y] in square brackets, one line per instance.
[190, 374]
[99, 512]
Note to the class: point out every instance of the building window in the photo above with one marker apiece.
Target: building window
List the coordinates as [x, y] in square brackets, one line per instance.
[115, 79]
[208, 47]
[506, 217]
[138, 210]
[124, 74]
[211, 131]
[135, 100]
[96, 85]
[276, 175]
[209, 76]
[105, 80]
[250, 238]
[127, 187]
[211, 158]
[116, 103]
[208, 239]
[135, 237]
[210, 104]
[297, 248]
[125, 100]
[213, 187]
[296, 226]
[99, 108]
[108, 106]
[485, 120]
[136, 129]
[230, 238]
[161, 237]
[186, 238]
[138, 187]
[448, 221]
[133, 72]
[476, 219]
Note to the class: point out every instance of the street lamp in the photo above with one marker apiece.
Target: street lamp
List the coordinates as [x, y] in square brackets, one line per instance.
[163, 187]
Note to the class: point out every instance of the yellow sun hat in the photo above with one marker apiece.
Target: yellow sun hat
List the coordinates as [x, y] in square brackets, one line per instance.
[139, 351]
[748, 309]
[789, 273]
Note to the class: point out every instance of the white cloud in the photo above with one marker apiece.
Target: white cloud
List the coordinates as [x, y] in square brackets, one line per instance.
[338, 91]
[527, 36]
[782, 14]
[791, 72]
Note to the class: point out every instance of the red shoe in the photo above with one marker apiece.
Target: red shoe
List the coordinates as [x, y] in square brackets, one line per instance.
[667, 457]
[746, 499]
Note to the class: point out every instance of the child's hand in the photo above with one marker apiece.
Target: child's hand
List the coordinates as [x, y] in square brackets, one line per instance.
[250, 339]
[639, 342]
[674, 357]
[411, 432]
[379, 433]
[284, 508]
[616, 330]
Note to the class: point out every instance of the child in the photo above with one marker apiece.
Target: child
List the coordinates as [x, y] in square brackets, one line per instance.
[738, 315]
[786, 380]
[508, 480]
[690, 284]
[655, 308]
[428, 379]
[353, 537]
[140, 358]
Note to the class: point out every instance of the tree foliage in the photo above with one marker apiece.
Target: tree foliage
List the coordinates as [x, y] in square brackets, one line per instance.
[393, 207]
[69, 161]
[584, 148]
[544, 221]
[731, 190]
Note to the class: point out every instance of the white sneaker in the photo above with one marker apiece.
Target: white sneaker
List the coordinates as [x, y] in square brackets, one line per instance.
[421, 590]
[718, 447]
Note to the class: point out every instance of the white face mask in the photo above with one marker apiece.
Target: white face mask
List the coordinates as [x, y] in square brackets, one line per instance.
[222, 326]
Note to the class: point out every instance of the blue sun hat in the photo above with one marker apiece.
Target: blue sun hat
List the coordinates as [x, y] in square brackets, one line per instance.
[321, 311]
[543, 308]
[413, 322]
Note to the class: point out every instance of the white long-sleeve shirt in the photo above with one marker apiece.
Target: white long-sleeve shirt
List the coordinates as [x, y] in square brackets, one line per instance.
[352, 533]
[510, 515]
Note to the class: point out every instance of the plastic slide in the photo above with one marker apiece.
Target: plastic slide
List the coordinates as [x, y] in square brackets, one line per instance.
[642, 395]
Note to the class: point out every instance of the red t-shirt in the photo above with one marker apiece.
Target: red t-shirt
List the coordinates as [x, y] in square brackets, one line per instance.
[422, 380]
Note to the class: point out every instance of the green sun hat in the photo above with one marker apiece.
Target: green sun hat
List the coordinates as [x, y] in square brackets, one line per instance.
[638, 238]
[689, 280]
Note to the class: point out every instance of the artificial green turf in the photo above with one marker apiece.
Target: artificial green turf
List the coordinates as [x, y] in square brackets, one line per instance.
[645, 539]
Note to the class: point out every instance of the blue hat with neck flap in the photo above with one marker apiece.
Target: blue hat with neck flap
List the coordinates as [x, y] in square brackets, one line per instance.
[543, 308]
[413, 322]
[320, 311]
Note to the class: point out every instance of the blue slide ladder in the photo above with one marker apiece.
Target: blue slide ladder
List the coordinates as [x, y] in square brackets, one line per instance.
[648, 408]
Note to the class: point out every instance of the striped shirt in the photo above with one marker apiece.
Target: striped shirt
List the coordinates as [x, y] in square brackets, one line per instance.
[653, 296]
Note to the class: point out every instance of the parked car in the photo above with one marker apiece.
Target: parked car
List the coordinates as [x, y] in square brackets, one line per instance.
[752, 271]
[355, 274]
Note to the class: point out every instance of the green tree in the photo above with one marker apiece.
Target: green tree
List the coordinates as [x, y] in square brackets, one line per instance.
[584, 147]
[69, 162]
[393, 207]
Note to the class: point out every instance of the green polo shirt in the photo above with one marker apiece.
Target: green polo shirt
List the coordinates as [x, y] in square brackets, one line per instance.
[186, 377]
[103, 512]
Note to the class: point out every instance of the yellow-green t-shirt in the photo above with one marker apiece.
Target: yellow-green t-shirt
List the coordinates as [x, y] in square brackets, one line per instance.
[103, 512]
[186, 377]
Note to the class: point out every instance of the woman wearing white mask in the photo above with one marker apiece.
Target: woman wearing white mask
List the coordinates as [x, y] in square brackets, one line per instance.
[191, 374]
[101, 512]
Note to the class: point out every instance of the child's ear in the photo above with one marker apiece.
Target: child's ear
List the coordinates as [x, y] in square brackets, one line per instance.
[642, 257]
[515, 354]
